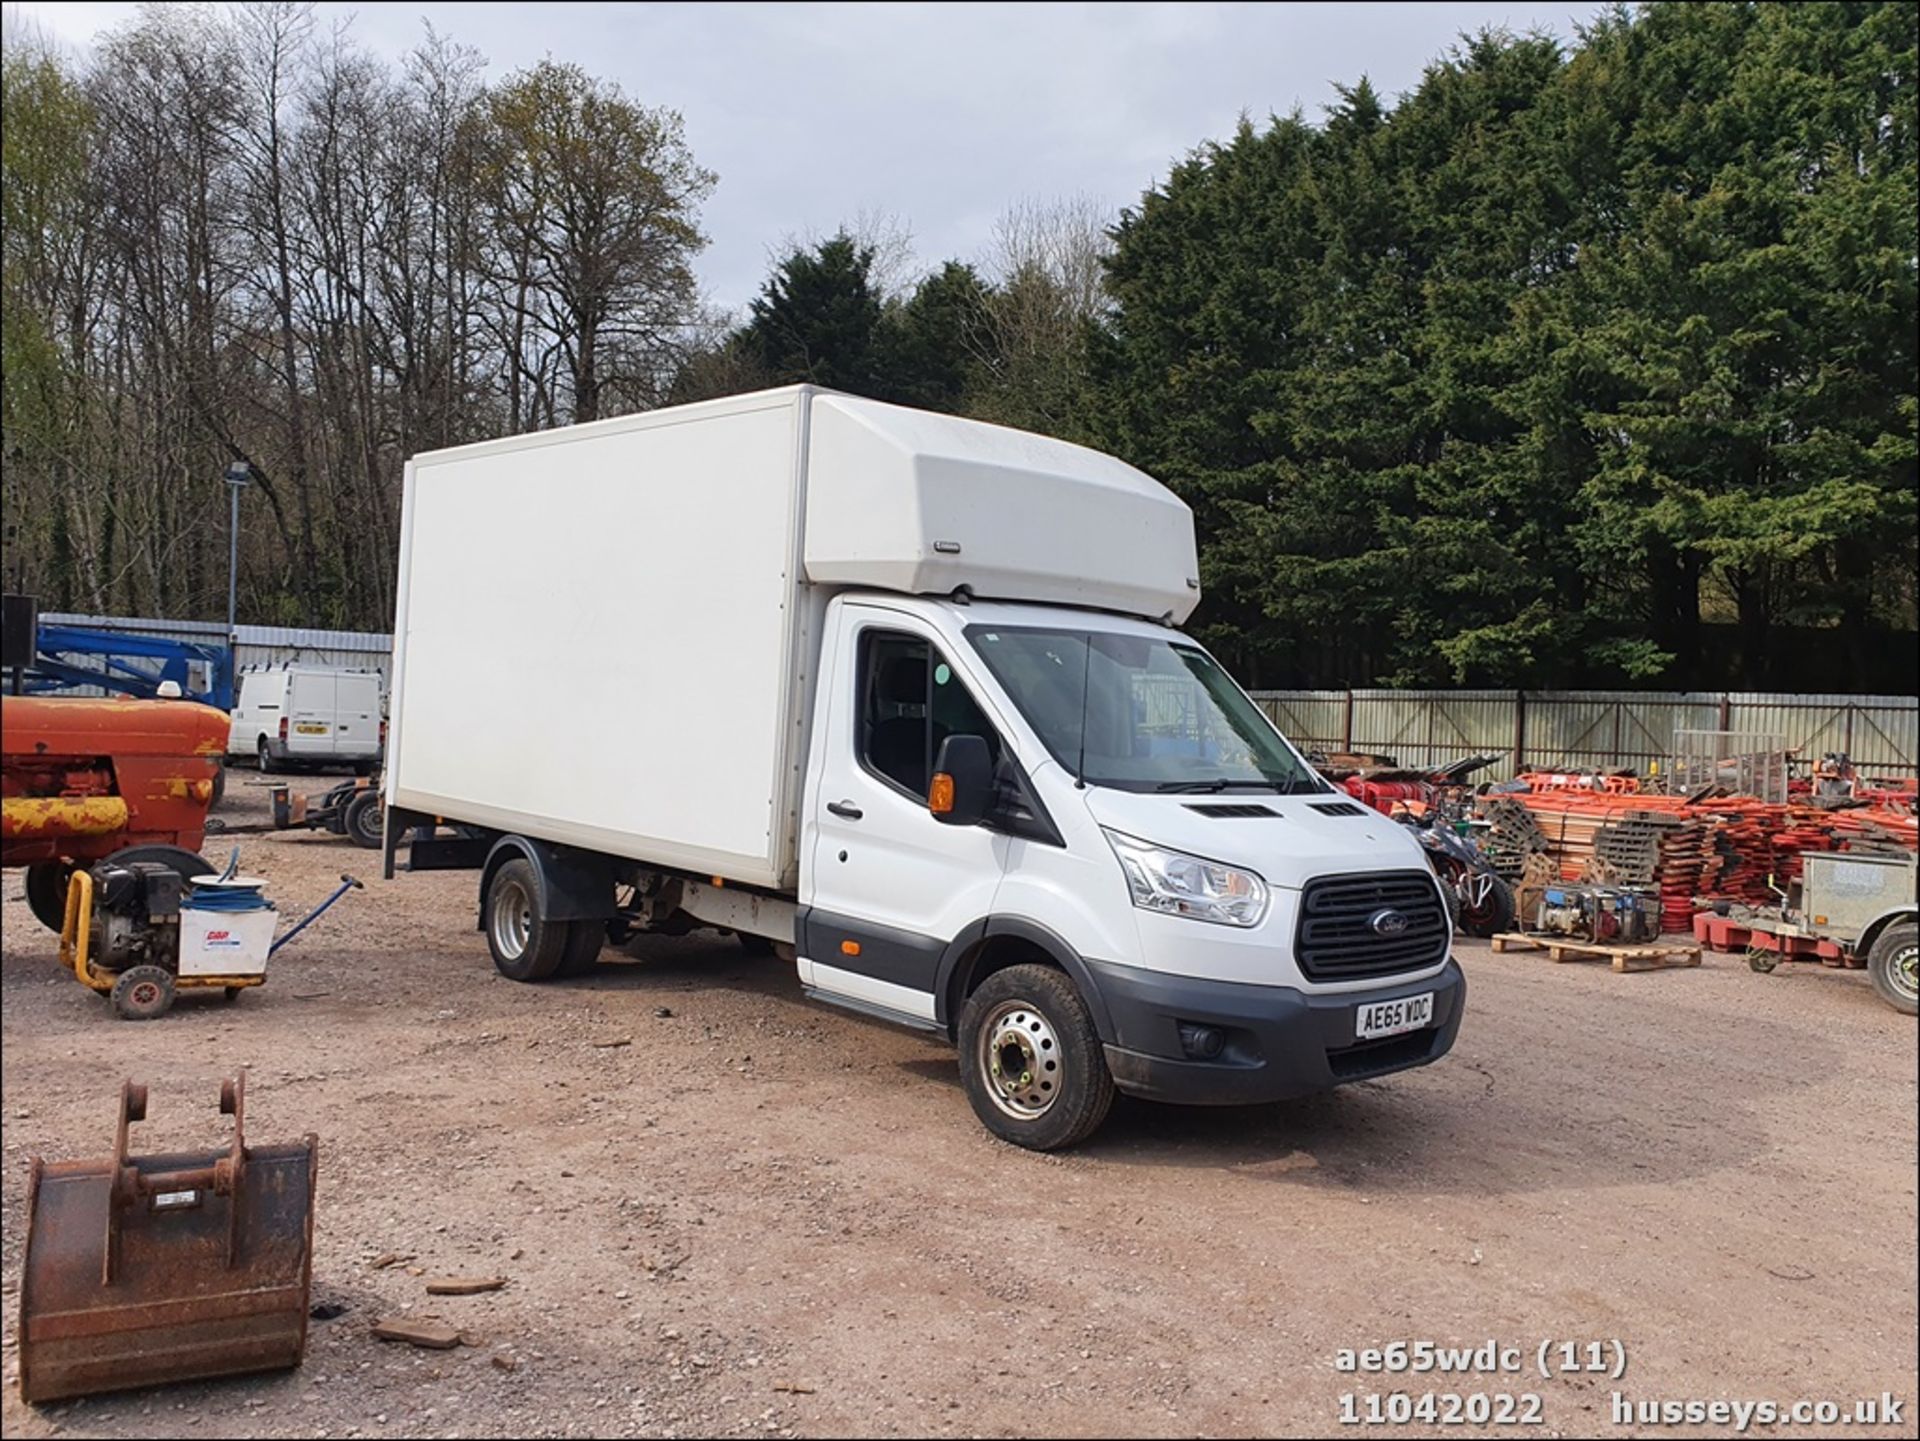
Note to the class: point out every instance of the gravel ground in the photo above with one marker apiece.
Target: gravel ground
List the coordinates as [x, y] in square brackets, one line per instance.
[723, 1210]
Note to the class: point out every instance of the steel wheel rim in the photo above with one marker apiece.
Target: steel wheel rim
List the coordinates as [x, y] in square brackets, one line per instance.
[1905, 971]
[512, 920]
[1019, 1060]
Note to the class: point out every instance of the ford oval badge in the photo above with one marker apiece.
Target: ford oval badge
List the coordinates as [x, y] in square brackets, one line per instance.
[1388, 923]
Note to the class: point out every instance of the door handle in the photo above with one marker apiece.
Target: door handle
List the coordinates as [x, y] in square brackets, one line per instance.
[845, 809]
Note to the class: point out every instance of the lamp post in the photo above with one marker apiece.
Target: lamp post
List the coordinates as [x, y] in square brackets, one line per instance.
[239, 475]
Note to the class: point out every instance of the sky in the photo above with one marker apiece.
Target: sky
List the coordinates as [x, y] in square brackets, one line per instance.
[933, 117]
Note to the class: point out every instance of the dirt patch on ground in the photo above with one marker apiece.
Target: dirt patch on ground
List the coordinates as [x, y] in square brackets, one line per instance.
[757, 1215]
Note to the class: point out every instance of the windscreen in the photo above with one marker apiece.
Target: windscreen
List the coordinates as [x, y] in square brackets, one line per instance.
[1139, 713]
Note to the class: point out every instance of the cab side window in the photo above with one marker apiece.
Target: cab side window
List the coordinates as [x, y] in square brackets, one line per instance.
[910, 701]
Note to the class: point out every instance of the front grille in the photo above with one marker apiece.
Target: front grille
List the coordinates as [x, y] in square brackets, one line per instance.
[1336, 940]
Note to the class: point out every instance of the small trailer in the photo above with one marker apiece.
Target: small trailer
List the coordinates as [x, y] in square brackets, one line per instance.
[1851, 910]
[352, 809]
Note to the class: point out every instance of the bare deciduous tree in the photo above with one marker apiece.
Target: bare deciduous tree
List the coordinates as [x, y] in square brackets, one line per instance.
[233, 237]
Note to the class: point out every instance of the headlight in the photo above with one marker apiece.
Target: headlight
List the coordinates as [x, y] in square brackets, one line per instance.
[1178, 884]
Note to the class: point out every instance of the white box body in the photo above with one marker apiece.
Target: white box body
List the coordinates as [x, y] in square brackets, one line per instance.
[225, 943]
[607, 634]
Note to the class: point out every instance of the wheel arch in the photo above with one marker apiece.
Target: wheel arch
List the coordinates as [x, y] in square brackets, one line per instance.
[995, 943]
[1878, 925]
[571, 885]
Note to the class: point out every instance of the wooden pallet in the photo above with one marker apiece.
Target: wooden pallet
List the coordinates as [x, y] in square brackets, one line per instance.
[1624, 958]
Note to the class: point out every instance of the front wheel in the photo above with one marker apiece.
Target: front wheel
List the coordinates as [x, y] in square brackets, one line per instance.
[1030, 1059]
[144, 993]
[1486, 907]
[1893, 962]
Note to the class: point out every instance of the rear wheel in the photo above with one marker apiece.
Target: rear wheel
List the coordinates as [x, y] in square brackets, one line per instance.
[365, 822]
[1893, 962]
[526, 945]
[188, 865]
[584, 940]
[47, 893]
[1030, 1059]
[266, 758]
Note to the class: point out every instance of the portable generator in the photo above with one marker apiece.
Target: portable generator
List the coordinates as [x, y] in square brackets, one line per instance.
[1607, 915]
[140, 931]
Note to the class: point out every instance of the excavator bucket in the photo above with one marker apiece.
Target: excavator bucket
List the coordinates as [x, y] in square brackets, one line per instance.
[145, 1269]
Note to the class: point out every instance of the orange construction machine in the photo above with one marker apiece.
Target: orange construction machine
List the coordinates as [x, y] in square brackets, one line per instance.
[82, 780]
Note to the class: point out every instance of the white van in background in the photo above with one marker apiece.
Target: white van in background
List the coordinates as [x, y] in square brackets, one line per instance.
[299, 715]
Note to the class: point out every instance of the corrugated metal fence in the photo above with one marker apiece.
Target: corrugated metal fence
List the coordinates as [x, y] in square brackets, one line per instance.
[1586, 729]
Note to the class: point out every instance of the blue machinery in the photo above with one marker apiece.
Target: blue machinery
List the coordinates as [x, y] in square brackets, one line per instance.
[125, 662]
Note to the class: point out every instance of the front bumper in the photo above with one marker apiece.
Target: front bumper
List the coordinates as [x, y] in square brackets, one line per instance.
[1281, 1042]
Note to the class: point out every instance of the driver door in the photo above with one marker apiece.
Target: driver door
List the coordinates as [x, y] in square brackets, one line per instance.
[891, 886]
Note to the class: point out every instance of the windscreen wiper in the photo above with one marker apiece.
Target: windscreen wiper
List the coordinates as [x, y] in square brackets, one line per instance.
[1221, 783]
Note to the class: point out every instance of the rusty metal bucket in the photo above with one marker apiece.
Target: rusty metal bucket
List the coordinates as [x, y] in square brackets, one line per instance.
[145, 1269]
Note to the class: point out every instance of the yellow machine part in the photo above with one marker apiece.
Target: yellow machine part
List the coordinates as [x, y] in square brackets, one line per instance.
[63, 815]
[76, 934]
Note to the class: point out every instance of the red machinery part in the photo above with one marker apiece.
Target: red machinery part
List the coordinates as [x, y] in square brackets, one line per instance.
[1383, 795]
[82, 778]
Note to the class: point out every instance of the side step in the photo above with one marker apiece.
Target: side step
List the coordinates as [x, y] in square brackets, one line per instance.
[873, 1009]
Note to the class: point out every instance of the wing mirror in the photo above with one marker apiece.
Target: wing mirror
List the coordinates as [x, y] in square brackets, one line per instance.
[962, 789]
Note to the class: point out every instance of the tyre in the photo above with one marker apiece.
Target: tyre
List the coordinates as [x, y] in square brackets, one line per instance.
[188, 865]
[219, 785]
[142, 993]
[525, 945]
[1492, 913]
[47, 893]
[1450, 898]
[266, 758]
[1891, 963]
[584, 941]
[1030, 1059]
[366, 821]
